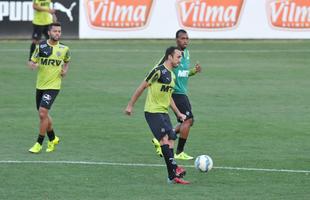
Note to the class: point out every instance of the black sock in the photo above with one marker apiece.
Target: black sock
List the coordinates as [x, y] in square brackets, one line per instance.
[32, 48]
[170, 162]
[176, 165]
[51, 135]
[40, 139]
[181, 145]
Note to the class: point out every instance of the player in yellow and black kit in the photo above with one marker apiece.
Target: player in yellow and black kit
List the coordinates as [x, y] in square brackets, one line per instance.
[160, 83]
[51, 58]
[43, 17]
[180, 96]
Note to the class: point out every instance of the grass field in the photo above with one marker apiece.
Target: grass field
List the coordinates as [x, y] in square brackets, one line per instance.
[251, 107]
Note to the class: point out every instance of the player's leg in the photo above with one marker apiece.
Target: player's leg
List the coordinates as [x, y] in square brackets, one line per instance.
[175, 173]
[179, 171]
[184, 132]
[168, 154]
[48, 99]
[36, 37]
[43, 116]
[168, 157]
[158, 126]
[53, 139]
[37, 147]
[50, 131]
[45, 31]
[183, 128]
[44, 101]
[177, 128]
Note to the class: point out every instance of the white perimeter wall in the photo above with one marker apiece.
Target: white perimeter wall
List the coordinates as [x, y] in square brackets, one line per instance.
[163, 21]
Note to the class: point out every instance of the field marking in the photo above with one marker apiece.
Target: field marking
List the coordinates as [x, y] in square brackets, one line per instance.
[195, 51]
[145, 165]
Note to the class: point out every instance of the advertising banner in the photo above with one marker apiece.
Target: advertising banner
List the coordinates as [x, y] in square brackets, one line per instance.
[16, 18]
[227, 19]
[223, 19]
[208, 14]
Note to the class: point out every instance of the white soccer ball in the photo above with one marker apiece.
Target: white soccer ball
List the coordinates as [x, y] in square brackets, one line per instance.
[204, 163]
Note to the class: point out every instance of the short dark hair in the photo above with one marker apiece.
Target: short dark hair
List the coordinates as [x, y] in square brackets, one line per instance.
[177, 34]
[170, 52]
[53, 24]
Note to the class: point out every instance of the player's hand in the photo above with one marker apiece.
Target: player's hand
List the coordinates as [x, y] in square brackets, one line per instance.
[198, 67]
[63, 73]
[52, 11]
[33, 65]
[181, 117]
[128, 110]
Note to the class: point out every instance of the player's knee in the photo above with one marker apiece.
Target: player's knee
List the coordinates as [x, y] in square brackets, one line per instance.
[43, 113]
[164, 140]
[188, 122]
[171, 144]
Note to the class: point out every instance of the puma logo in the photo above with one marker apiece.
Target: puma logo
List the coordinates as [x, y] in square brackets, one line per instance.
[62, 8]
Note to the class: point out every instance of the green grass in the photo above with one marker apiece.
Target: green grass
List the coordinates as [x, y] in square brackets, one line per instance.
[251, 107]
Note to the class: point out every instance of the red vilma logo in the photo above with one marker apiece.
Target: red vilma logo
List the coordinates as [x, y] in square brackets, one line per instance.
[119, 14]
[209, 14]
[292, 14]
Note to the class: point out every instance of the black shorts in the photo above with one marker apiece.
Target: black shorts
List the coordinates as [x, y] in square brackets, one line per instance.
[46, 98]
[38, 30]
[184, 106]
[160, 125]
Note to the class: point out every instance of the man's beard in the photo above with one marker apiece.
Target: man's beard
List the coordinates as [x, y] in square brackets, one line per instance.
[55, 40]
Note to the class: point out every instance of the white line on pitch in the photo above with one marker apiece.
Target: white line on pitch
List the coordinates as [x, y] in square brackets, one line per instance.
[144, 165]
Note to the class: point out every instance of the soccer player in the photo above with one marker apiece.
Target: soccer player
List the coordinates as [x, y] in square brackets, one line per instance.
[160, 84]
[182, 73]
[51, 58]
[43, 17]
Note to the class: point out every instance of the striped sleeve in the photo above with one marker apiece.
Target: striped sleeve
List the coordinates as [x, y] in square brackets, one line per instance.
[35, 55]
[67, 56]
[153, 75]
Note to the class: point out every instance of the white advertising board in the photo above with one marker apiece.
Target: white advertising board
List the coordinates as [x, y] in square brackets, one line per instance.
[222, 19]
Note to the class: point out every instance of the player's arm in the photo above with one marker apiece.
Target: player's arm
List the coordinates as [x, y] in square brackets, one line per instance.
[152, 76]
[33, 63]
[180, 115]
[195, 70]
[135, 96]
[37, 7]
[65, 67]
